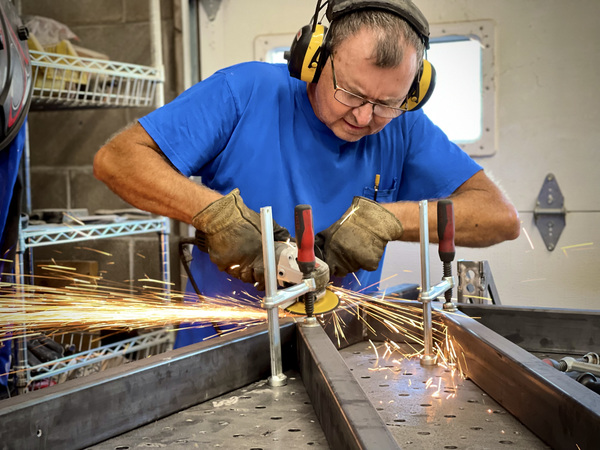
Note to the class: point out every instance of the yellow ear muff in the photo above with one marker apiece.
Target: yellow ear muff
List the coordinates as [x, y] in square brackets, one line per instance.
[422, 87]
[312, 54]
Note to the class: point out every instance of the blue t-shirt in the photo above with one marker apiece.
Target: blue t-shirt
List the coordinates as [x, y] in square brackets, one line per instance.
[252, 126]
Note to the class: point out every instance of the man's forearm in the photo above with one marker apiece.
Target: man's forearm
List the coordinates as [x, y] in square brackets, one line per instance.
[483, 215]
[140, 176]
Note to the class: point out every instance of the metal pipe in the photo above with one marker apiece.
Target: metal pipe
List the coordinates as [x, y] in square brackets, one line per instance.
[591, 358]
[439, 289]
[165, 266]
[165, 269]
[21, 360]
[27, 170]
[277, 377]
[186, 43]
[424, 239]
[579, 366]
[428, 358]
[156, 49]
[285, 297]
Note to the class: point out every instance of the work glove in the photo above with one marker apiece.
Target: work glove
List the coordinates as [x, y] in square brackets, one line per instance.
[358, 239]
[230, 233]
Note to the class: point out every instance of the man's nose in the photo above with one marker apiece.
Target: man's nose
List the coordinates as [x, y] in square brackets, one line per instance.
[363, 114]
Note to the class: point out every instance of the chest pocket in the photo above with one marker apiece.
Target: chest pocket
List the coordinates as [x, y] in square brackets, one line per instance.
[384, 195]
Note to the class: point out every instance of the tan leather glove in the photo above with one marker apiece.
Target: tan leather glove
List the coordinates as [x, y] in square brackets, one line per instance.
[232, 237]
[358, 239]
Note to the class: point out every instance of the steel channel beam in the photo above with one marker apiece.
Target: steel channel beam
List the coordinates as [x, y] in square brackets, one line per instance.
[89, 410]
[559, 410]
[541, 329]
[353, 327]
[347, 417]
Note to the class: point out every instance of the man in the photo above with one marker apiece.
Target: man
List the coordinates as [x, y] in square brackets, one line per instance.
[282, 142]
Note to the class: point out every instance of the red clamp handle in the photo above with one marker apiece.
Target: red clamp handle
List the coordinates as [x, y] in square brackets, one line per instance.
[305, 238]
[445, 217]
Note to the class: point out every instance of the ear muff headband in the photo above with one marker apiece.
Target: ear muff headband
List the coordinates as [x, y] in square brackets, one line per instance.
[405, 9]
[422, 87]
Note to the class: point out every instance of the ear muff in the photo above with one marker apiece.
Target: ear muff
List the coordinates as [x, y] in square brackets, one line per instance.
[305, 58]
[422, 87]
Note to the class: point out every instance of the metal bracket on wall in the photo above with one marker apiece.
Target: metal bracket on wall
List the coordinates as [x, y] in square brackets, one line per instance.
[211, 7]
[476, 283]
[550, 213]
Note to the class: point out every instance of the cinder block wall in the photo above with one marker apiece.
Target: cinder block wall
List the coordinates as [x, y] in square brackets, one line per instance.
[63, 143]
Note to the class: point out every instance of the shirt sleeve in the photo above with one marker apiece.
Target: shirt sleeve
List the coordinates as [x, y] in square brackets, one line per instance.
[193, 128]
[434, 167]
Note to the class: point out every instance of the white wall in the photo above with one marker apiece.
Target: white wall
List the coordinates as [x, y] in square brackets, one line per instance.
[547, 70]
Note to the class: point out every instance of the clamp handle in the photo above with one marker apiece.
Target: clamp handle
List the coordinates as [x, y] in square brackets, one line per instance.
[445, 217]
[305, 239]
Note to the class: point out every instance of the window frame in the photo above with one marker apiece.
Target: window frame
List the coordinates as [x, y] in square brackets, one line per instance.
[482, 31]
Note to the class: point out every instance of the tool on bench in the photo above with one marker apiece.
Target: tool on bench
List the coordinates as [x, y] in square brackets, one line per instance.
[321, 300]
[305, 238]
[281, 298]
[446, 249]
[289, 273]
[293, 265]
[585, 369]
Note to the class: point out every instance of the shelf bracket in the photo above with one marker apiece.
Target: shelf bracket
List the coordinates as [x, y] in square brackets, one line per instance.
[476, 283]
[211, 7]
[550, 213]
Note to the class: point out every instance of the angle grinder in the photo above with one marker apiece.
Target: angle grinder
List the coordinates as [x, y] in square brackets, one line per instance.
[288, 274]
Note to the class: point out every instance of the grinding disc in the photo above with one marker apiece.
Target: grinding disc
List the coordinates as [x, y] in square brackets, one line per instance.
[328, 302]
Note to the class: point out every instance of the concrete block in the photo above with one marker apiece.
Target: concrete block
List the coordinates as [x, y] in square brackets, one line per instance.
[85, 268]
[128, 43]
[139, 11]
[133, 114]
[71, 138]
[112, 256]
[147, 261]
[87, 192]
[73, 13]
[49, 189]
[121, 261]
[171, 60]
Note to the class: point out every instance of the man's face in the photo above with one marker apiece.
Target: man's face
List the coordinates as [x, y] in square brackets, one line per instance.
[355, 72]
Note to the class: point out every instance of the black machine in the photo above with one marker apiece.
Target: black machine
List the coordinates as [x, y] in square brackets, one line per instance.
[15, 73]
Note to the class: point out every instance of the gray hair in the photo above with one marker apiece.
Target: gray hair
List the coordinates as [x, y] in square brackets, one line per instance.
[393, 35]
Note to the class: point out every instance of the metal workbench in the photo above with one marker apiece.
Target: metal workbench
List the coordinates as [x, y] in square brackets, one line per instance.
[214, 394]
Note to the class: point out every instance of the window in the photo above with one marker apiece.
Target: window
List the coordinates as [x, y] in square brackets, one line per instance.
[275, 55]
[463, 103]
[457, 62]
[270, 47]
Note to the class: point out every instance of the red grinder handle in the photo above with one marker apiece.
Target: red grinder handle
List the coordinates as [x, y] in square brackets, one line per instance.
[445, 217]
[305, 238]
